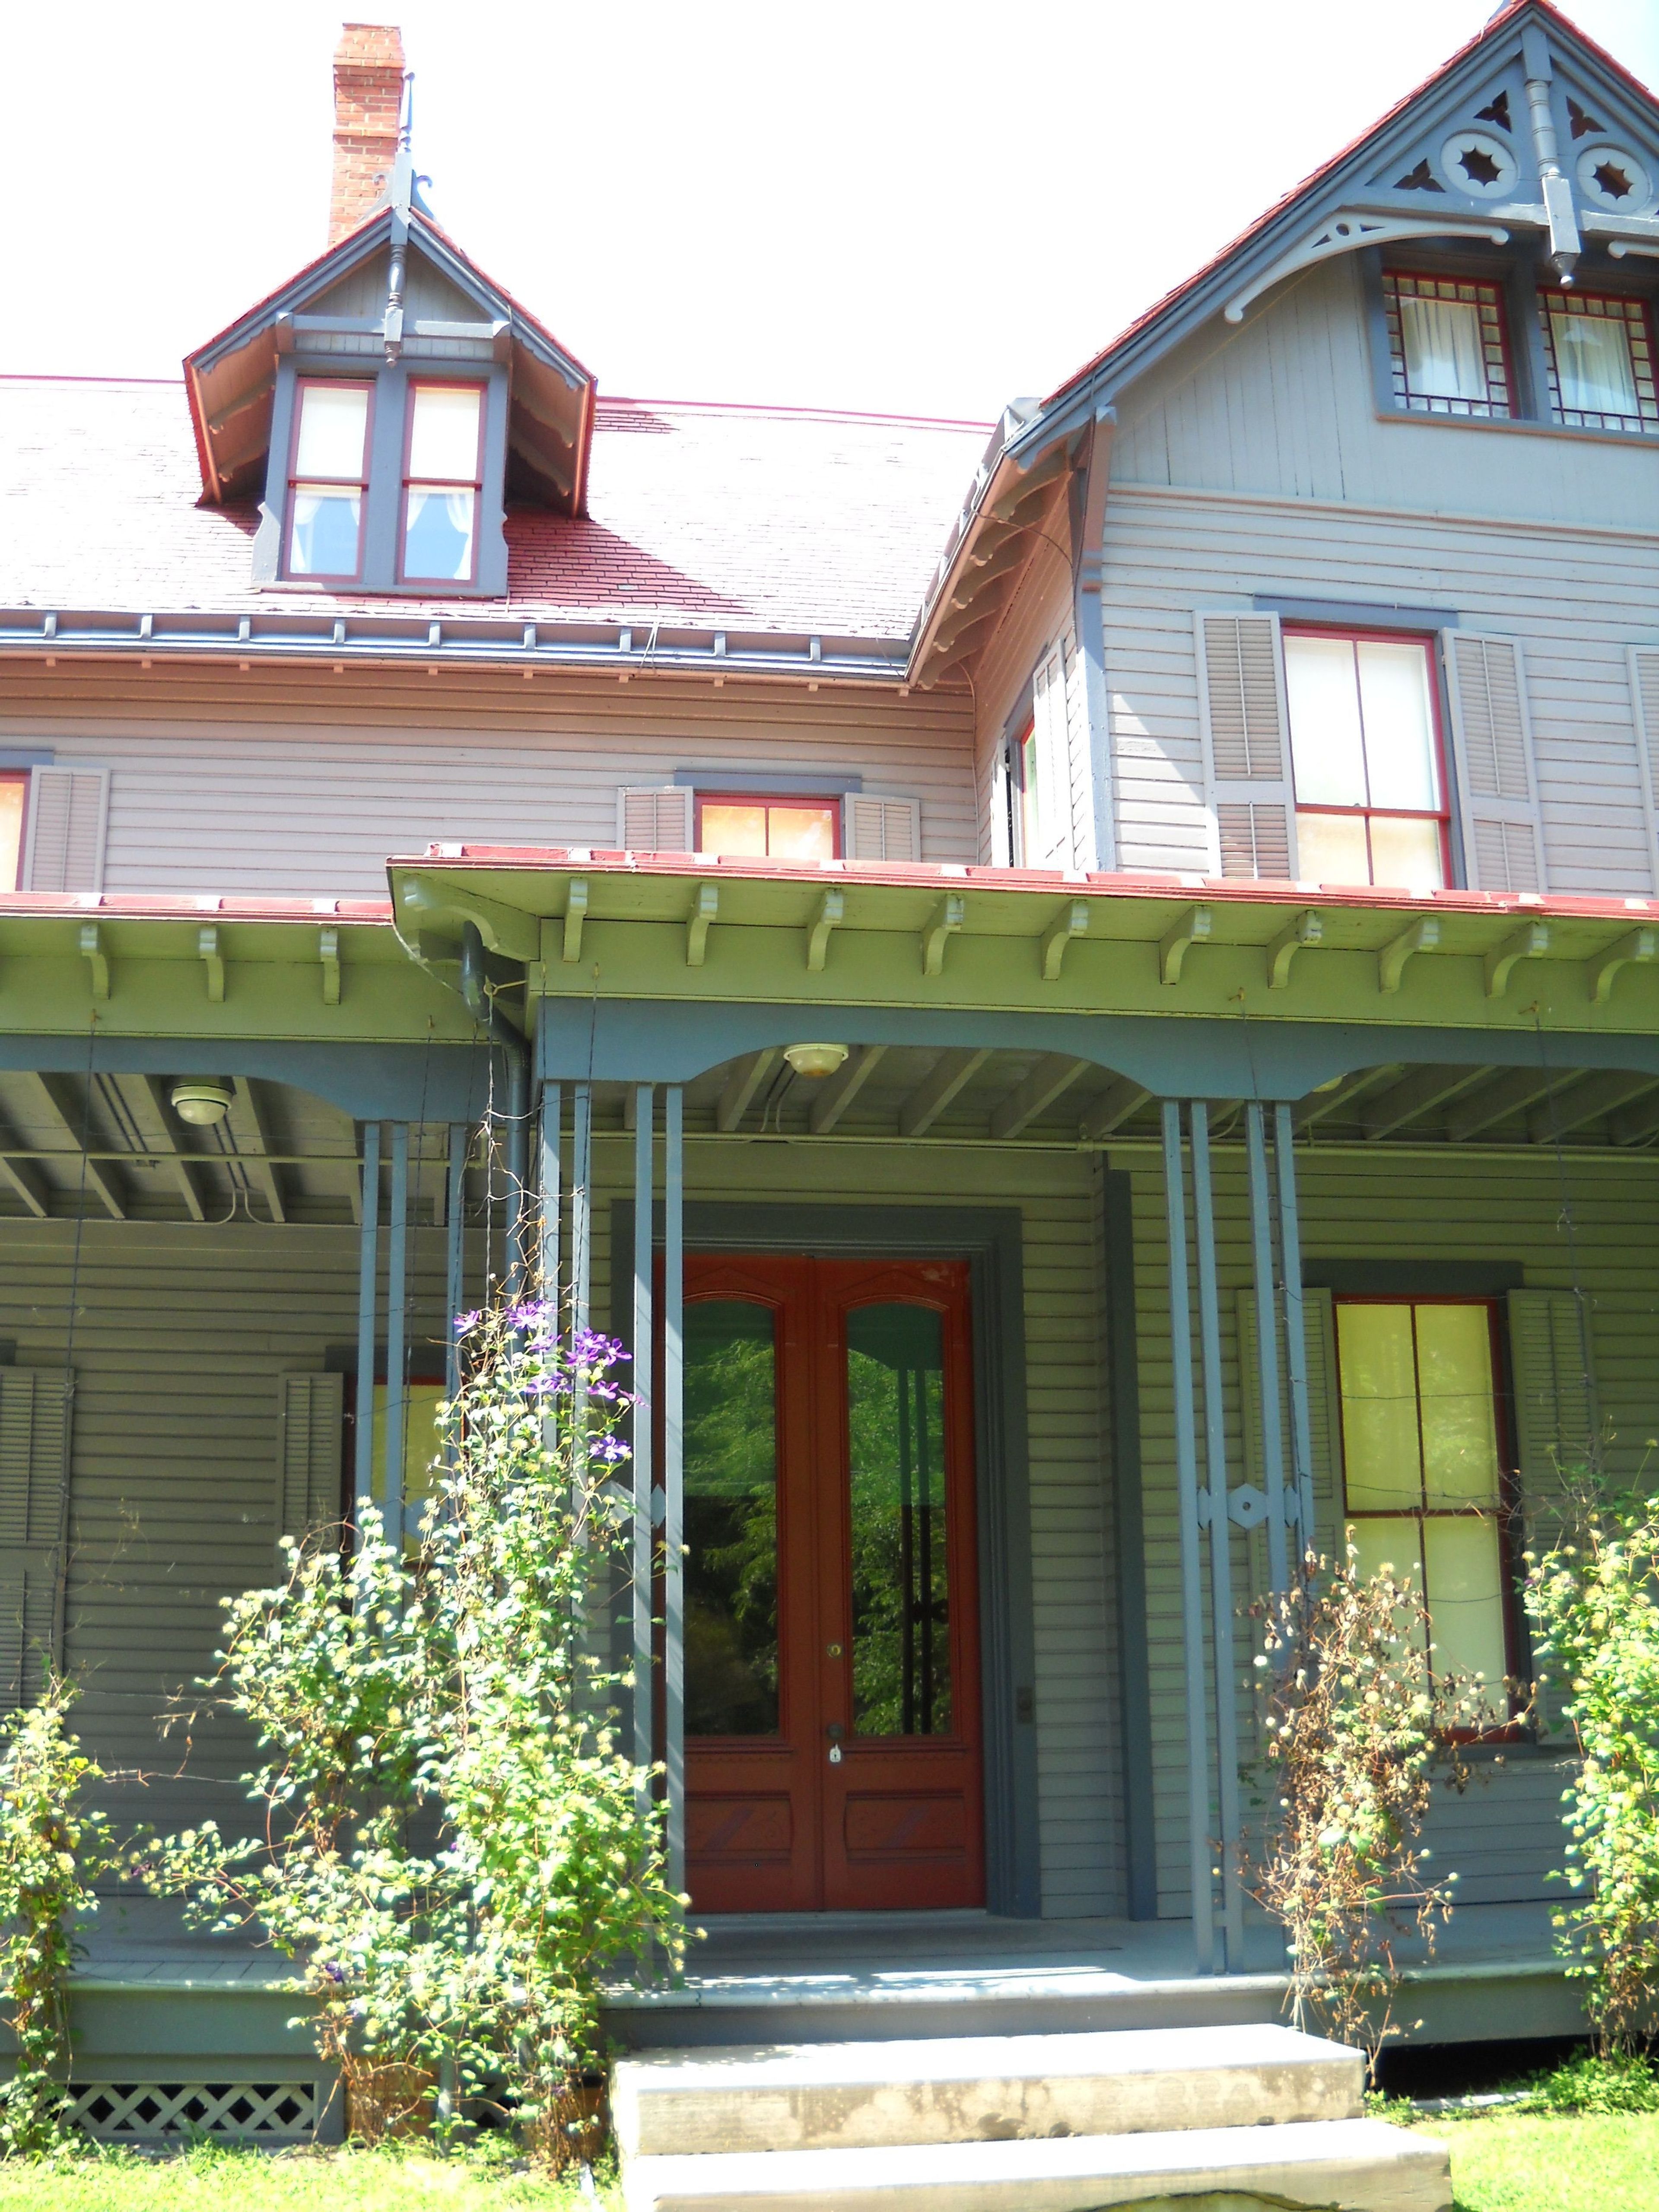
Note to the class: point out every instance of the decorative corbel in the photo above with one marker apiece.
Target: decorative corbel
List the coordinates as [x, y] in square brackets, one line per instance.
[1307, 929]
[328, 952]
[575, 913]
[92, 953]
[212, 958]
[1530, 942]
[943, 924]
[832, 909]
[1422, 936]
[1636, 945]
[1192, 928]
[704, 908]
[1073, 922]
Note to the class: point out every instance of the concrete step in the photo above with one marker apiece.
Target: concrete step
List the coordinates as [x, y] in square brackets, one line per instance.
[1362, 2166]
[848, 2096]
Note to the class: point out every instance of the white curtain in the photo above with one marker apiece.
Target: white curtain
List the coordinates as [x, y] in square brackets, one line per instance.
[1592, 360]
[1445, 358]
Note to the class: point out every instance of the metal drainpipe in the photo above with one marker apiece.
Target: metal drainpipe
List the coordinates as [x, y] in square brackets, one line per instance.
[516, 1046]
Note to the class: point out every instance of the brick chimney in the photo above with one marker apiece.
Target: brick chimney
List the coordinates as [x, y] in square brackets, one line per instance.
[369, 91]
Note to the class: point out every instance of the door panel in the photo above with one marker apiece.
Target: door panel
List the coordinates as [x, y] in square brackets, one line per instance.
[832, 1694]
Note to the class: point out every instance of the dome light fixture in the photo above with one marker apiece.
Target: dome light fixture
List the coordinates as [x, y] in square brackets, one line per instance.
[815, 1061]
[200, 1100]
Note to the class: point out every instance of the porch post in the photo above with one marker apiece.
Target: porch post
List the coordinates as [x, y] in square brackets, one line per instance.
[581, 1209]
[362, 1478]
[644, 1350]
[455, 1252]
[1192, 1593]
[1212, 1510]
[551, 1195]
[1296, 1342]
[397, 1253]
[1266, 1347]
[673, 1474]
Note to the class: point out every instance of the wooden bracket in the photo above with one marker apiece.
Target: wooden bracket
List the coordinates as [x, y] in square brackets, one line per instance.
[1192, 928]
[1530, 942]
[213, 959]
[575, 913]
[328, 952]
[943, 924]
[704, 908]
[1422, 936]
[1073, 921]
[832, 907]
[1634, 944]
[92, 953]
[1307, 929]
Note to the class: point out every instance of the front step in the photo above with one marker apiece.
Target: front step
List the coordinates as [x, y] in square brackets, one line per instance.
[1362, 2166]
[858, 2096]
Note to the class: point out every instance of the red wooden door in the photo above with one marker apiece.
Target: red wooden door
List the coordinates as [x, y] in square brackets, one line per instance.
[831, 1652]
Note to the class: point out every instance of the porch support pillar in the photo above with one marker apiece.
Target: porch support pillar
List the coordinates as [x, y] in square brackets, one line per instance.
[1295, 1342]
[644, 1354]
[1192, 1593]
[673, 1474]
[550, 1196]
[454, 1254]
[581, 1209]
[396, 1270]
[362, 1475]
[1267, 1348]
[1213, 1504]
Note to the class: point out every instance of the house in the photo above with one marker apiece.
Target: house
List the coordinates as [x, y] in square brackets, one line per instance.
[1097, 984]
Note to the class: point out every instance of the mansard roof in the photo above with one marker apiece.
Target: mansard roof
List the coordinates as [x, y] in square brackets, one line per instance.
[704, 523]
[448, 309]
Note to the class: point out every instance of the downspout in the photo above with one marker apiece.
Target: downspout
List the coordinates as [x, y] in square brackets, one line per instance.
[516, 1046]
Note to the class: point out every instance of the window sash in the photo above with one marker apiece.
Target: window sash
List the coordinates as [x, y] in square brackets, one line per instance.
[323, 490]
[816, 823]
[1344, 689]
[14, 823]
[1573, 402]
[460, 496]
[1447, 346]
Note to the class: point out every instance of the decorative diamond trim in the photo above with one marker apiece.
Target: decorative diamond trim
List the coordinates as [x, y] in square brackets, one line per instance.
[151, 2111]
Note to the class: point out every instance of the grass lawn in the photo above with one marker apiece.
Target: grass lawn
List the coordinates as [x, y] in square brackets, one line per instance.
[208, 2179]
[1519, 2161]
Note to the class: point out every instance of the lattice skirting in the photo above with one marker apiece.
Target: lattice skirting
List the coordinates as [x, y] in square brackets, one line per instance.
[157, 2112]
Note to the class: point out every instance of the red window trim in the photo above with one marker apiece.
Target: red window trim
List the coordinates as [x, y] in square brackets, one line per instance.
[1441, 814]
[798, 798]
[1496, 285]
[473, 484]
[1641, 427]
[302, 385]
[19, 775]
[1508, 1499]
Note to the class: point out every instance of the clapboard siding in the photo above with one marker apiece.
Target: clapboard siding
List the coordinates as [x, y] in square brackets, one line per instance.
[220, 784]
[1503, 1836]
[1255, 462]
[1080, 1798]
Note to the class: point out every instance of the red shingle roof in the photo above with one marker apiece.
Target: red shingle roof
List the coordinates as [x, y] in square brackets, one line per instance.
[701, 517]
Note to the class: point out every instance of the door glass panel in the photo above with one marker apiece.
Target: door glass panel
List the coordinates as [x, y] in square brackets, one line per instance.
[731, 1518]
[900, 1585]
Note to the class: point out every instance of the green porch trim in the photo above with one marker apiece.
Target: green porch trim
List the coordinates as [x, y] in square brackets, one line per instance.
[395, 1082]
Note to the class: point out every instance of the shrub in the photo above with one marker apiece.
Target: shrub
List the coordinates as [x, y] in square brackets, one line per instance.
[1353, 1728]
[1595, 1603]
[51, 1851]
[454, 1848]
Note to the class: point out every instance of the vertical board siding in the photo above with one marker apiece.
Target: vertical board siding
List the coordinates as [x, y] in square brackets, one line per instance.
[1595, 1221]
[1074, 1566]
[222, 783]
[1255, 463]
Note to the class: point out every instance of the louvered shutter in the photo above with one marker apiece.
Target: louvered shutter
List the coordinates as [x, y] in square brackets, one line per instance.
[63, 841]
[1054, 807]
[1246, 749]
[1555, 1414]
[310, 1453]
[34, 1473]
[1324, 1411]
[875, 829]
[1497, 781]
[1644, 695]
[654, 818]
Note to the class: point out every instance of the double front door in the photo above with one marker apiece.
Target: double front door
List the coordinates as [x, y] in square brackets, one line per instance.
[831, 1661]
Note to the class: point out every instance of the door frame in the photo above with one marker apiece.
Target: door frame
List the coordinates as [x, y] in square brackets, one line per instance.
[991, 1240]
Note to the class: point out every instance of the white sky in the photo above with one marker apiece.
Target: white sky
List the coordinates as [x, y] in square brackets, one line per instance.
[920, 206]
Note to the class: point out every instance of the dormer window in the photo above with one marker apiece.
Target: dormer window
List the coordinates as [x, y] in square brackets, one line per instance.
[1446, 344]
[1600, 362]
[443, 477]
[328, 479]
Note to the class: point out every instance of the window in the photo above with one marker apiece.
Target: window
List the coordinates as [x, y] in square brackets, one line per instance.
[443, 474]
[424, 1438]
[1025, 799]
[741, 828]
[14, 801]
[328, 480]
[1446, 346]
[1371, 793]
[1600, 362]
[1423, 1465]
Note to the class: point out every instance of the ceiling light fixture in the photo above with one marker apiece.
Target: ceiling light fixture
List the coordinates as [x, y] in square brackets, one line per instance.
[200, 1100]
[815, 1061]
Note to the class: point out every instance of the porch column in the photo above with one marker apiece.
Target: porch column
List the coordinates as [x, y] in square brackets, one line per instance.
[1214, 1513]
[1267, 1348]
[549, 1195]
[673, 1474]
[1295, 1342]
[455, 1252]
[396, 1270]
[581, 1209]
[362, 1477]
[1192, 1592]
[644, 1355]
